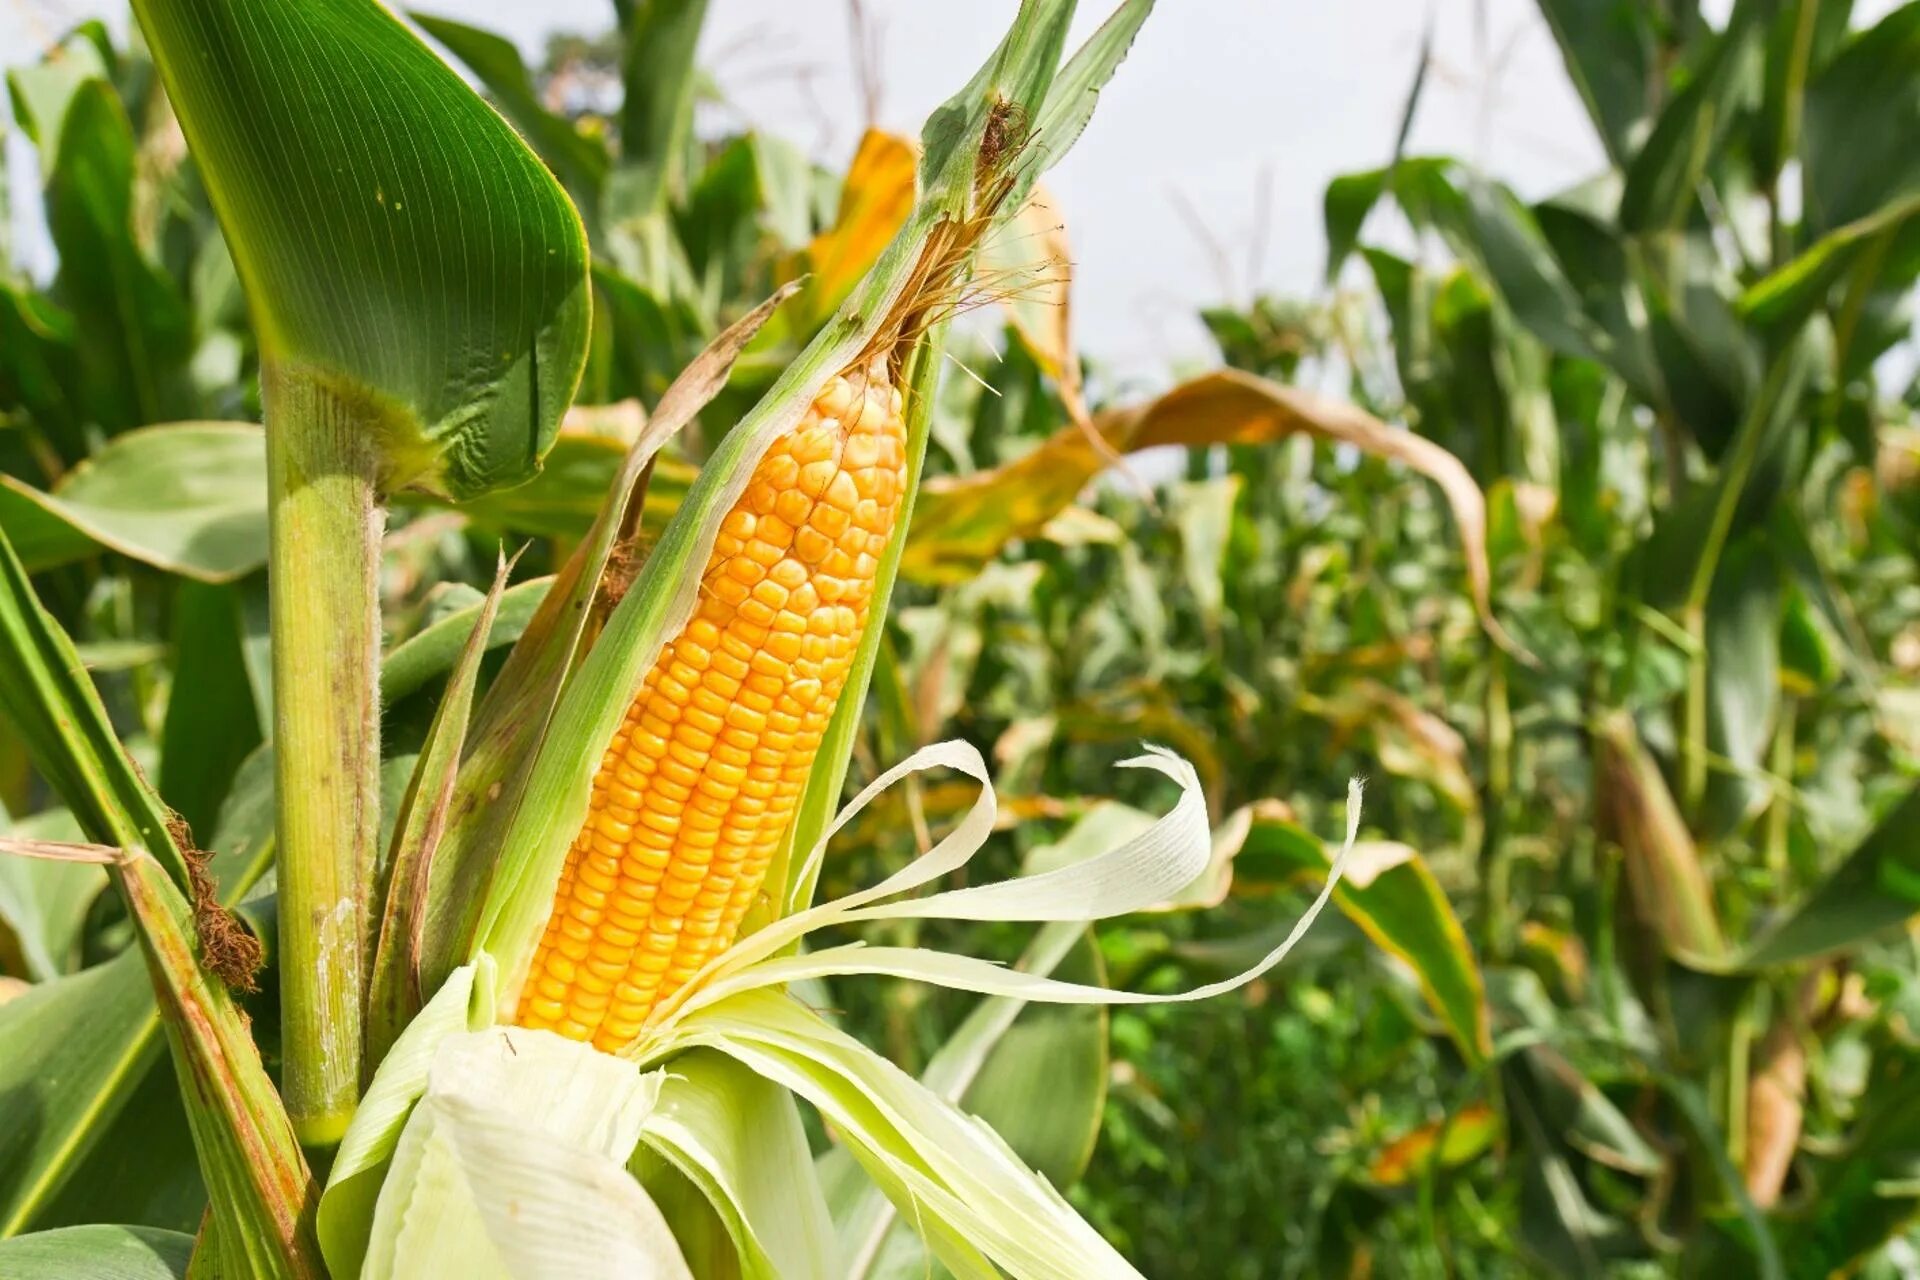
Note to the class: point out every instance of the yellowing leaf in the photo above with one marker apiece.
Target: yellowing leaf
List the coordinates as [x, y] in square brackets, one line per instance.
[960, 524]
[874, 204]
[1452, 1142]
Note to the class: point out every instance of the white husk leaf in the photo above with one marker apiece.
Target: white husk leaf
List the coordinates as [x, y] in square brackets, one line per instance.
[513, 1158]
[738, 1137]
[513, 1164]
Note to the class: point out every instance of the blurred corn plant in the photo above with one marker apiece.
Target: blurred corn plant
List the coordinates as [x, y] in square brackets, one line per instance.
[1671, 791]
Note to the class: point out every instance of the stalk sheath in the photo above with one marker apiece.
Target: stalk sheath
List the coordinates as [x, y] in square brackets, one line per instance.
[326, 523]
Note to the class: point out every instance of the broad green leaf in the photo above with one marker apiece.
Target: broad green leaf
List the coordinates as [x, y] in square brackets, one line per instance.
[190, 498]
[579, 161]
[1663, 177]
[1743, 679]
[39, 373]
[142, 1168]
[1611, 56]
[656, 112]
[432, 651]
[366, 193]
[86, 1061]
[1877, 887]
[48, 700]
[42, 92]
[212, 724]
[67, 1066]
[44, 903]
[1868, 1191]
[1390, 892]
[135, 328]
[258, 1185]
[1785, 295]
[97, 1253]
[256, 1175]
[1857, 109]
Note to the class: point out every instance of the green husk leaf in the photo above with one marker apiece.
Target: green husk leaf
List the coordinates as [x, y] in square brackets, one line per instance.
[395, 995]
[511, 721]
[738, 1138]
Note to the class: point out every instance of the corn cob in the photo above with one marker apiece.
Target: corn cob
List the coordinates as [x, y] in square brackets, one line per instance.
[698, 785]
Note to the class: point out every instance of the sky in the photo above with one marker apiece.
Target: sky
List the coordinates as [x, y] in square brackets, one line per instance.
[1199, 180]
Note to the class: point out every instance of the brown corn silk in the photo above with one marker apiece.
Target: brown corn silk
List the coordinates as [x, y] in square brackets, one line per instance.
[696, 790]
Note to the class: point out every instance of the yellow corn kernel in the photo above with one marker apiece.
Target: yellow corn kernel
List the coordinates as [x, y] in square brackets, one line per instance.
[697, 788]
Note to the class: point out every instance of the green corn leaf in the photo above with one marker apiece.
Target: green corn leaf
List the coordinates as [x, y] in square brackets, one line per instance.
[1390, 892]
[189, 498]
[1611, 54]
[432, 651]
[1877, 887]
[70, 1050]
[47, 698]
[44, 904]
[1858, 109]
[135, 328]
[80, 1054]
[399, 245]
[256, 1176]
[212, 724]
[248, 1155]
[97, 1253]
[656, 112]
[1071, 97]
[579, 161]
[1663, 177]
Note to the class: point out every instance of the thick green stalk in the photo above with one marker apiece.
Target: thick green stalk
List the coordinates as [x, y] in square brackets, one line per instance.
[323, 587]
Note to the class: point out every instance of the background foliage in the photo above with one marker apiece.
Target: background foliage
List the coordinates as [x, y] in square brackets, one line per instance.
[1622, 982]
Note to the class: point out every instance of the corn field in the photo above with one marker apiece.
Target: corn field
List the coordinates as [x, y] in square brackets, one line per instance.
[583, 694]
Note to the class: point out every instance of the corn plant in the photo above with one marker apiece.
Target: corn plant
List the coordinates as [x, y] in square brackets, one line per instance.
[536, 1009]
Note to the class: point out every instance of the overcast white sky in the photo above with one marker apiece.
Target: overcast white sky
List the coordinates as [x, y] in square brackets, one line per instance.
[1238, 110]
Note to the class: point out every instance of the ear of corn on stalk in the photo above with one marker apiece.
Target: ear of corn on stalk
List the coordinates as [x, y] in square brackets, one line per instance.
[695, 791]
